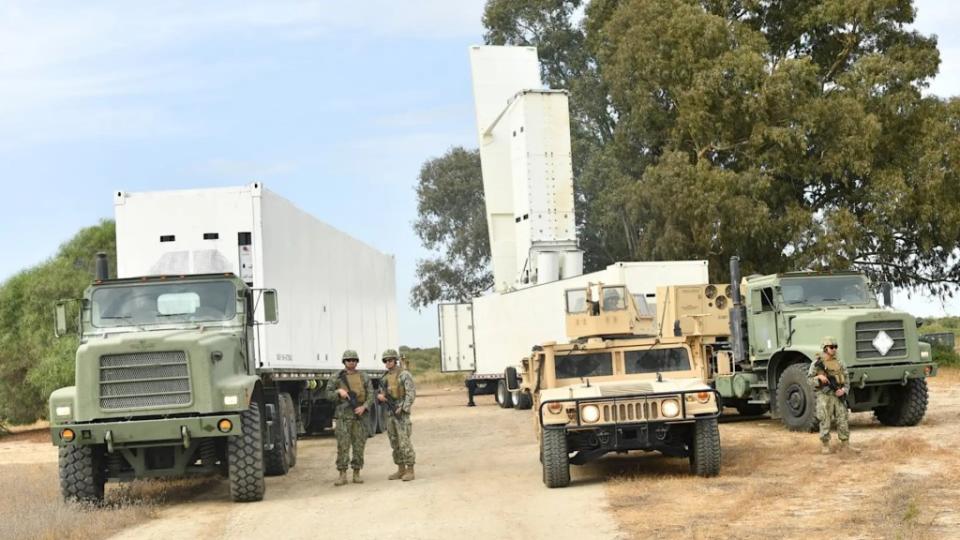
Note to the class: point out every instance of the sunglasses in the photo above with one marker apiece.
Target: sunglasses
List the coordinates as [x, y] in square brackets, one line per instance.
[352, 360]
[831, 346]
[385, 360]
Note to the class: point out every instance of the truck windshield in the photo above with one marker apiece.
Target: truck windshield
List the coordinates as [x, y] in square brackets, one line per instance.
[825, 291]
[656, 360]
[163, 303]
[575, 366]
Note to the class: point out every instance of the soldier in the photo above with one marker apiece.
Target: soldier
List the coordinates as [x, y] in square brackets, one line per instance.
[831, 382]
[354, 394]
[397, 389]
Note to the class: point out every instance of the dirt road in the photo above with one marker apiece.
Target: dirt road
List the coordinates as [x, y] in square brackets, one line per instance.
[477, 476]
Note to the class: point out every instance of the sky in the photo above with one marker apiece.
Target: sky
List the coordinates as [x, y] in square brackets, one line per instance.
[332, 105]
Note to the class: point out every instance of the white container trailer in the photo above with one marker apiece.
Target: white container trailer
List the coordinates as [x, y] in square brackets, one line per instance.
[335, 292]
[497, 330]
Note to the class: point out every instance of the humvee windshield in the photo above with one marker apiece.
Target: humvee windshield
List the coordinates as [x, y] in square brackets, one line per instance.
[155, 303]
[656, 360]
[575, 366]
[825, 291]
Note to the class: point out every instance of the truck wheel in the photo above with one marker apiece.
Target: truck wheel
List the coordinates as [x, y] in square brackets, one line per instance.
[522, 400]
[796, 402]
[278, 459]
[555, 458]
[504, 397]
[287, 410]
[81, 474]
[705, 454]
[245, 457]
[907, 405]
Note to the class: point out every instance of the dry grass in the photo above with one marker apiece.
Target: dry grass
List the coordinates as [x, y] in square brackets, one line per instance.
[434, 379]
[31, 506]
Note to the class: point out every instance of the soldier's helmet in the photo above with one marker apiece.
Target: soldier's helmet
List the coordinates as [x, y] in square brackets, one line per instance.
[390, 353]
[350, 354]
[827, 340]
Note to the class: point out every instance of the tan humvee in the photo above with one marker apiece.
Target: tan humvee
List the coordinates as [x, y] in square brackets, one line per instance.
[618, 386]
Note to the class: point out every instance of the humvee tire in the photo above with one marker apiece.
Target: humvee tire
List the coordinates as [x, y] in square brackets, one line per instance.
[555, 458]
[796, 402]
[245, 457]
[907, 405]
[503, 396]
[81, 474]
[522, 400]
[705, 451]
[277, 459]
[287, 409]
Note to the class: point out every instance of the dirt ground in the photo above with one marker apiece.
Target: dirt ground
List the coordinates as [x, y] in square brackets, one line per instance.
[478, 476]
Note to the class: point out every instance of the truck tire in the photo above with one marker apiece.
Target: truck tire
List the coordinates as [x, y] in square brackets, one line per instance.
[522, 400]
[705, 454]
[245, 457]
[907, 404]
[277, 459]
[555, 458]
[504, 397]
[287, 409]
[81, 474]
[796, 402]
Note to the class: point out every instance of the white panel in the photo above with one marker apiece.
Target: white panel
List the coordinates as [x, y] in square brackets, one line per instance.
[456, 337]
[498, 74]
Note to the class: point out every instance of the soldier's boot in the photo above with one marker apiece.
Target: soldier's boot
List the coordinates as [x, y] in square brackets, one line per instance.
[408, 474]
[845, 447]
[401, 469]
[356, 477]
[825, 447]
[342, 481]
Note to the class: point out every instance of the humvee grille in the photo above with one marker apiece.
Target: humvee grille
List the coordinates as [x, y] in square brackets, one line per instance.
[152, 379]
[638, 411]
[867, 331]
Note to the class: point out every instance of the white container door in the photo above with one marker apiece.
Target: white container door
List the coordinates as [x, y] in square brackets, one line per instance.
[456, 338]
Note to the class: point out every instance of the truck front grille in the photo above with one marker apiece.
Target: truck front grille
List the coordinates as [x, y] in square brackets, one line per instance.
[150, 379]
[867, 331]
[631, 411]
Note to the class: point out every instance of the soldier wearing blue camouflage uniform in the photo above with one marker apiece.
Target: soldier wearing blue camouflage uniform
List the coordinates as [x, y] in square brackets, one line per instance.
[831, 382]
[397, 389]
[351, 427]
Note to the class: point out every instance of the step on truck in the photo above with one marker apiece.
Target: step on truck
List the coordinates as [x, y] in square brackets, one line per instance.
[617, 386]
[190, 363]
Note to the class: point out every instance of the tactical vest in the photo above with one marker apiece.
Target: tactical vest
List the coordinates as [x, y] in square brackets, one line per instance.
[356, 385]
[396, 390]
[833, 368]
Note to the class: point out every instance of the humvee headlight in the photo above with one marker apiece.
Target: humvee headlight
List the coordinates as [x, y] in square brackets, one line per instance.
[590, 413]
[703, 397]
[230, 400]
[68, 435]
[63, 410]
[670, 408]
[224, 425]
[555, 407]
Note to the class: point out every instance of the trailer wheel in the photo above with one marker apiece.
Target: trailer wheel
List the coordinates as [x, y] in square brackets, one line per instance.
[555, 458]
[796, 402]
[504, 397]
[81, 473]
[705, 454]
[522, 400]
[907, 404]
[287, 410]
[245, 457]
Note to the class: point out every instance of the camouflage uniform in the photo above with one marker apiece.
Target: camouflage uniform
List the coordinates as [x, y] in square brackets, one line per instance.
[830, 408]
[398, 384]
[351, 430]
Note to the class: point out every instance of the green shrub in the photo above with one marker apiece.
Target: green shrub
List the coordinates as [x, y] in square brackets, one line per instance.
[945, 356]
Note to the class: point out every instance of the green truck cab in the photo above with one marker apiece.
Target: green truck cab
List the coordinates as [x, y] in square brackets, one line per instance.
[166, 385]
[776, 324]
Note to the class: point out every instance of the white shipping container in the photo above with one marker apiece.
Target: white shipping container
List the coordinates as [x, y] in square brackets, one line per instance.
[505, 326]
[335, 292]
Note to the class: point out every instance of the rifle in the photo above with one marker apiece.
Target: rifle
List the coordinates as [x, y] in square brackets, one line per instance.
[351, 395]
[392, 403]
[832, 382]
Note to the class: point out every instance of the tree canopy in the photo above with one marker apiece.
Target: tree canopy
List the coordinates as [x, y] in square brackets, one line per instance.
[793, 134]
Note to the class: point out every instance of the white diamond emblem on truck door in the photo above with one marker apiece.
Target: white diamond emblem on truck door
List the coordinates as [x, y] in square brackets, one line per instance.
[882, 343]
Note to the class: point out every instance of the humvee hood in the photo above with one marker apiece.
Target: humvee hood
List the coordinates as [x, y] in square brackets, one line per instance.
[624, 388]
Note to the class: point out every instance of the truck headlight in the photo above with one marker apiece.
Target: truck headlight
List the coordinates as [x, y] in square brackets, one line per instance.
[230, 400]
[924, 354]
[590, 414]
[63, 411]
[670, 408]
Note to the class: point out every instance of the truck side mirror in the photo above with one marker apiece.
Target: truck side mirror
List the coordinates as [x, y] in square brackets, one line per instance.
[513, 382]
[271, 312]
[60, 328]
[920, 322]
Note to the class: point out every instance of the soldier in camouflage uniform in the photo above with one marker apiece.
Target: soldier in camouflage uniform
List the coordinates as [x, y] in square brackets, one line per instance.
[397, 387]
[831, 402]
[351, 428]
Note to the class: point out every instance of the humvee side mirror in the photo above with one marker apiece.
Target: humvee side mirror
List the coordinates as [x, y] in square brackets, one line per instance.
[271, 312]
[60, 328]
[513, 382]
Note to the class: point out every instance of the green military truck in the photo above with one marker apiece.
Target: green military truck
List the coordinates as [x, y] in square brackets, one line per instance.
[776, 324]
